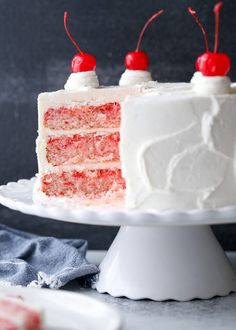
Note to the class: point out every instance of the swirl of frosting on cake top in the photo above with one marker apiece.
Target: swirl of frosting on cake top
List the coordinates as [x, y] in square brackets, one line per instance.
[210, 85]
[80, 80]
[134, 77]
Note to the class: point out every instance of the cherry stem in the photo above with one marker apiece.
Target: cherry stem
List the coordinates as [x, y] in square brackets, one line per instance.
[217, 10]
[194, 14]
[69, 35]
[145, 27]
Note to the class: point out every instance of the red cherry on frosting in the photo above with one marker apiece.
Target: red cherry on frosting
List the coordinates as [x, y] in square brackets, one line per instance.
[138, 60]
[213, 64]
[81, 62]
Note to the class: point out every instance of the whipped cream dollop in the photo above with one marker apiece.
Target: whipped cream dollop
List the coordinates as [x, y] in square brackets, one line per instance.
[210, 85]
[80, 80]
[134, 77]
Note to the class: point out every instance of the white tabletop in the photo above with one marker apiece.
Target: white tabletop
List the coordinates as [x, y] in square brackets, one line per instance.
[217, 313]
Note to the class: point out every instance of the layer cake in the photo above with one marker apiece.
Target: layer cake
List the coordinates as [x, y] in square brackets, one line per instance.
[78, 145]
[16, 314]
[146, 145]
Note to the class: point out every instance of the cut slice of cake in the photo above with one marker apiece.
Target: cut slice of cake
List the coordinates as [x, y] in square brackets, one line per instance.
[78, 146]
[16, 314]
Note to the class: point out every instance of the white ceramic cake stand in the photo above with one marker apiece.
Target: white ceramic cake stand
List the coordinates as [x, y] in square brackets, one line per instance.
[159, 255]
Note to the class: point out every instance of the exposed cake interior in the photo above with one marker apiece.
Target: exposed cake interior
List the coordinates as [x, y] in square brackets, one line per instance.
[83, 148]
[106, 115]
[89, 185]
[78, 145]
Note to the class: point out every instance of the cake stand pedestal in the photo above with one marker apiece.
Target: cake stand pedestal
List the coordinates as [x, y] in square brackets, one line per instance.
[161, 263]
[159, 255]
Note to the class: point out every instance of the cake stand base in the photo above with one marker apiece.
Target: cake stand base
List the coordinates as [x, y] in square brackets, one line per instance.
[160, 263]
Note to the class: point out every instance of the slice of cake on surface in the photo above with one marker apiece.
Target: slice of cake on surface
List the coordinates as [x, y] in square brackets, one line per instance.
[15, 314]
[78, 146]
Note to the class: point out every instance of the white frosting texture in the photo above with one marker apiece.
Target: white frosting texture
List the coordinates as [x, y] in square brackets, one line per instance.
[134, 77]
[210, 85]
[80, 80]
[178, 149]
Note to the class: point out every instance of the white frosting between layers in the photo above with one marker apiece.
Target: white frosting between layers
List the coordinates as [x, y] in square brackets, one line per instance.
[80, 80]
[207, 85]
[178, 150]
[135, 77]
[70, 132]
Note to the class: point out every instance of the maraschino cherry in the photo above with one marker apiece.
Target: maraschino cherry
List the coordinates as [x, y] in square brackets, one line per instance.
[81, 62]
[212, 63]
[138, 60]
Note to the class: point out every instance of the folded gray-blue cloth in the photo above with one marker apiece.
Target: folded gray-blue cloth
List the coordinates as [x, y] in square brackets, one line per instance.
[34, 261]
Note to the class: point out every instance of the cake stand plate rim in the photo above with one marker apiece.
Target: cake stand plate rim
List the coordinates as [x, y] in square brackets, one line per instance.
[18, 196]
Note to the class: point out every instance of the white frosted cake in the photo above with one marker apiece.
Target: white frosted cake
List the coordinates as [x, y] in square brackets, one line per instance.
[177, 147]
[146, 145]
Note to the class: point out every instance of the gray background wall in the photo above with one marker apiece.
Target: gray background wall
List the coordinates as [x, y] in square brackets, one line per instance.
[35, 55]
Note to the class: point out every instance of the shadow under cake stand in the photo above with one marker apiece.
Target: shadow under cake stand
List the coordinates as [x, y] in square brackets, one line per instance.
[160, 256]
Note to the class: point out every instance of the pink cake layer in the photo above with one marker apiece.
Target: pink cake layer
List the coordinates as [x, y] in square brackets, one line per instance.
[89, 185]
[6, 324]
[83, 117]
[30, 318]
[83, 148]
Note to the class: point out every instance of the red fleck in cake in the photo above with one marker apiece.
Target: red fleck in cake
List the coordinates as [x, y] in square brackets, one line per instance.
[78, 145]
[16, 314]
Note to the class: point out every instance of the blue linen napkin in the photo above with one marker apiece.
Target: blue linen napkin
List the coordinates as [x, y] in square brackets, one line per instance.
[34, 261]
